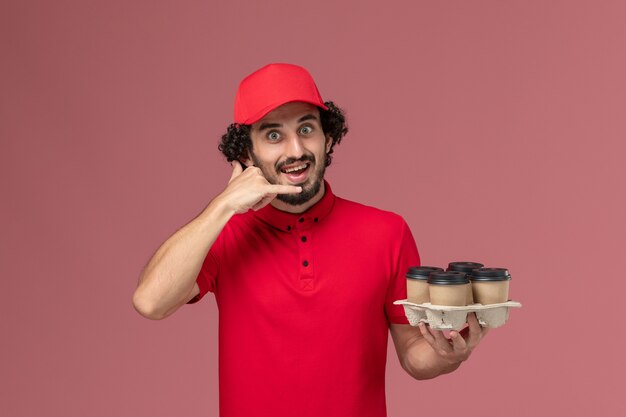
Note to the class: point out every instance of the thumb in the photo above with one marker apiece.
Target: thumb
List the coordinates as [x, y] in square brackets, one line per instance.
[237, 169]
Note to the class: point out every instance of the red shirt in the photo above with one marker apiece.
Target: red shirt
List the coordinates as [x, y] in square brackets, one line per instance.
[305, 301]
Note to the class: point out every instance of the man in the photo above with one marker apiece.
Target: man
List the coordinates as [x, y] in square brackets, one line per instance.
[304, 280]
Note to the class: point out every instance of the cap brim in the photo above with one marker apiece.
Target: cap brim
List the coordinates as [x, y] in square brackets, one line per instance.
[265, 111]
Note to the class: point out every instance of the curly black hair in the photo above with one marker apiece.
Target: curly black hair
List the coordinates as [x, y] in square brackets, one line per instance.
[236, 141]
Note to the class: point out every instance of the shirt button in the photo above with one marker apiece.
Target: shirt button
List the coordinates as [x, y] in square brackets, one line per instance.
[303, 238]
[315, 220]
[301, 219]
[305, 263]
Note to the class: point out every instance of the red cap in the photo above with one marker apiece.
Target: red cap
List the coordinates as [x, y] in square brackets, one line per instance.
[272, 86]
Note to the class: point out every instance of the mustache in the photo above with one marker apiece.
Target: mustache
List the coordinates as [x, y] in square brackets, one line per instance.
[289, 161]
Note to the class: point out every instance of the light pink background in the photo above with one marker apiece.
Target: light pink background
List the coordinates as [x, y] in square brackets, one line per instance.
[495, 128]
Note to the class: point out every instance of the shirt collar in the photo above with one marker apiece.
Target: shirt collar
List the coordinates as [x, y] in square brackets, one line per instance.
[288, 221]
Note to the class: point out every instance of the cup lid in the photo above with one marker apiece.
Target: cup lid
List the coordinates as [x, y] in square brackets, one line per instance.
[448, 278]
[490, 274]
[421, 272]
[465, 266]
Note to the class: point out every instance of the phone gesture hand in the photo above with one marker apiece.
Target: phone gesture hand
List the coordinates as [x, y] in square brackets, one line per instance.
[248, 189]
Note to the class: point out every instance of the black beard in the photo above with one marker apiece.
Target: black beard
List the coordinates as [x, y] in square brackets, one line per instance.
[307, 192]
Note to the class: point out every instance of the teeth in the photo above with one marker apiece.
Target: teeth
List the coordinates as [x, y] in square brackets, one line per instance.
[298, 168]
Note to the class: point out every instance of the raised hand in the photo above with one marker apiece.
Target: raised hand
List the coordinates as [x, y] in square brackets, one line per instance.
[460, 344]
[248, 189]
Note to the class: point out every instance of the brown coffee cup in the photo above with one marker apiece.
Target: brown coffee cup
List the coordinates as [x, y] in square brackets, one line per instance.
[467, 267]
[417, 283]
[448, 288]
[490, 285]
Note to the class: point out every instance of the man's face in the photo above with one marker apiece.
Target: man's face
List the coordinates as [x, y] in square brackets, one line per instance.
[289, 147]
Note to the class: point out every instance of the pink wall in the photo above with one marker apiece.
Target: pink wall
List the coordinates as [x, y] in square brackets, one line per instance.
[496, 128]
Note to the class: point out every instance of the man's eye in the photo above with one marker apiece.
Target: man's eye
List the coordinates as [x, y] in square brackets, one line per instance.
[305, 130]
[273, 136]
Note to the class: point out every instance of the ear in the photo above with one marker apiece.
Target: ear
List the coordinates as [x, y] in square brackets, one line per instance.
[245, 159]
[329, 143]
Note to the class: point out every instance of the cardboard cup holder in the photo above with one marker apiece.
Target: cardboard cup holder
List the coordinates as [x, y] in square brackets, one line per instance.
[455, 317]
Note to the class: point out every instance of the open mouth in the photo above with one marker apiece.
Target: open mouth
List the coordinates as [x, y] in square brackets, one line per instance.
[296, 172]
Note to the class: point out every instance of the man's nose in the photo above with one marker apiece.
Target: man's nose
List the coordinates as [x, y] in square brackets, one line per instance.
[295, 147]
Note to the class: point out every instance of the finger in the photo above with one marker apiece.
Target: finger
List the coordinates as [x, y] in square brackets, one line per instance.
[237, 169]
[426, 334]
[264, 202]
[283, 189]
[458, 343]
[442, 343]
[475, 331]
